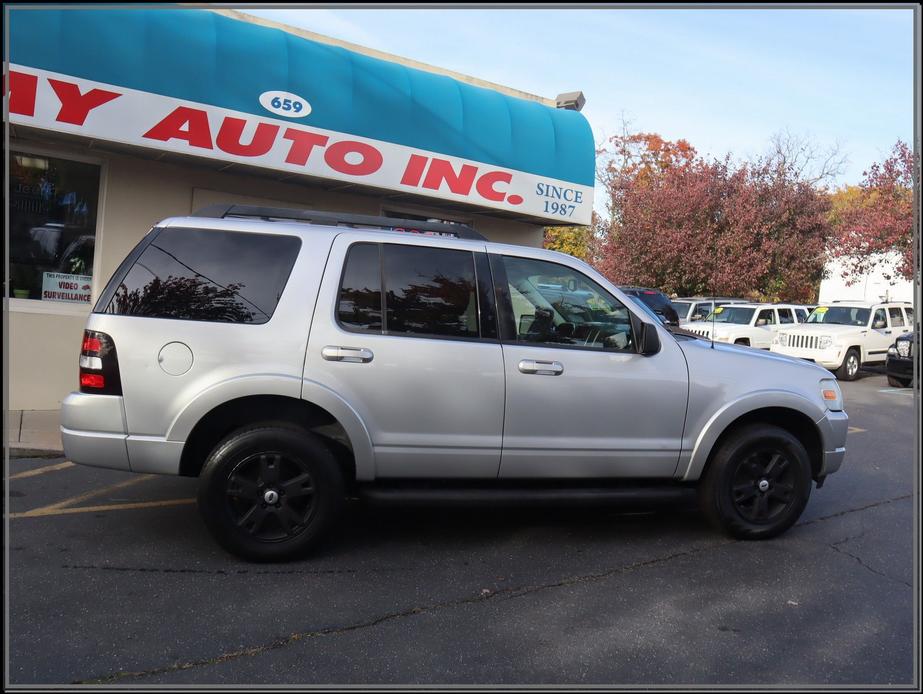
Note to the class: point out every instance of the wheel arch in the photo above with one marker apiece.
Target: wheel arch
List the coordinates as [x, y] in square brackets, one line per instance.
[793, 413]
[208, 419]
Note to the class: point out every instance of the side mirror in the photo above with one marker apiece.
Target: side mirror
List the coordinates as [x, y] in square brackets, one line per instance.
[879, 325]
[650, 340]
[761, 322]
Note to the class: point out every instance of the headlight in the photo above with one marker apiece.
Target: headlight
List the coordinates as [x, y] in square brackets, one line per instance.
[783, 339]
[831, 394]
[824, 341]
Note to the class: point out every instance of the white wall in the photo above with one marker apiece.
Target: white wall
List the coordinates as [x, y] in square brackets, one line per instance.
[871, 287]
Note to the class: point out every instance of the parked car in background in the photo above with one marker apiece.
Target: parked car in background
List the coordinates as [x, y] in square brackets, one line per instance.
[899, 363]
[844, 335]
[658, 302]
[692, 309]
[290, 365]
[751, 325]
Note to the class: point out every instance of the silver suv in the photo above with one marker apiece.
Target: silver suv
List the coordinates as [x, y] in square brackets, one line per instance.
[291, 360]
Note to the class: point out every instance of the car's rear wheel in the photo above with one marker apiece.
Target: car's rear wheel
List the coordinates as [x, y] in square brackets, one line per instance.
[270, 493]
[757, 483]
[896, 382]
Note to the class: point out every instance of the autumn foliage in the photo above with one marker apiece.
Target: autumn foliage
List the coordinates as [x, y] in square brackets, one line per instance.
[688, 225]
[874, 220]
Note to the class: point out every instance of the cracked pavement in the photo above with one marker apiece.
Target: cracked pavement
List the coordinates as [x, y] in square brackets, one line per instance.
[541, 596]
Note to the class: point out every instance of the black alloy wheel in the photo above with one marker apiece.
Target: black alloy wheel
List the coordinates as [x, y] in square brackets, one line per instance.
[271, 492]
[757, 482]
[763, 485]
[271, 496]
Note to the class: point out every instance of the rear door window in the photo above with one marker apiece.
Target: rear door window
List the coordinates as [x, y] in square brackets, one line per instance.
[204, 275]
[897, 318]
[429, 292]
[785, 315]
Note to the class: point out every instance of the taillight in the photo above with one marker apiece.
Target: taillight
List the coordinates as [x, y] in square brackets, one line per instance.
[99, 365]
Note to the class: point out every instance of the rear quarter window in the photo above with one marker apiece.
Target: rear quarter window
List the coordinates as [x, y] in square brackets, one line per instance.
[204, 275]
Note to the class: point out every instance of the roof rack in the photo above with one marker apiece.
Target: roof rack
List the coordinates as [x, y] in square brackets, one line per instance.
[223, 211]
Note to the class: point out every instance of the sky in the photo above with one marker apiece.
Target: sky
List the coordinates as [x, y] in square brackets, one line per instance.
[725, 80]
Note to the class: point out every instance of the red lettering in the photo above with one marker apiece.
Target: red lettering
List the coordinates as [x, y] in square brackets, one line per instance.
[23, 88]
[486, 183]
[335, 156]
[302, 144]
[197, 134]
[414, 171]
[441, 171]
[75, 107]
[232, 129]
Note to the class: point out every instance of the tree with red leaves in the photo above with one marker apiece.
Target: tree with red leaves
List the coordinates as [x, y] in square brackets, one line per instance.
[874, 224]
[691, 226]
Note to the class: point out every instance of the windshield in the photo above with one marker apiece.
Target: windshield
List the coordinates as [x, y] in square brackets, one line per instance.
[731, 314]
[682, 308]
[840, 315]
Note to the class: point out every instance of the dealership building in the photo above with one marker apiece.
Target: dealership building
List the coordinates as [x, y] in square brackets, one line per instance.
[119, 118]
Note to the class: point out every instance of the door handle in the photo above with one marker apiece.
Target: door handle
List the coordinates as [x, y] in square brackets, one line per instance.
[887, 332]
[541, 368]
[359, 355]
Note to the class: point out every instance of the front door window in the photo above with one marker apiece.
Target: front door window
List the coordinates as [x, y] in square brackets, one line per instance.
[554, 305]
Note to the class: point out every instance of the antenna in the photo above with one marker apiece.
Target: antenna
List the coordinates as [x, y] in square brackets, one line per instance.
[714, 262]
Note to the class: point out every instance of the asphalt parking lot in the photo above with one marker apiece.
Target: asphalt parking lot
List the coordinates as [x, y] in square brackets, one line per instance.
[113, 579]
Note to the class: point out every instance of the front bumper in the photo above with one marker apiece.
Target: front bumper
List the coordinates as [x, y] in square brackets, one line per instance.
[900, 367]
[833, 427]
[830, 358]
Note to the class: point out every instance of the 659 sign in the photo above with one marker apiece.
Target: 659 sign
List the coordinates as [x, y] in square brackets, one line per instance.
[285, 104]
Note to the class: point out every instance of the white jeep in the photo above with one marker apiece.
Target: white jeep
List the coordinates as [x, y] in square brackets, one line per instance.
[844, 335]
[751, 325]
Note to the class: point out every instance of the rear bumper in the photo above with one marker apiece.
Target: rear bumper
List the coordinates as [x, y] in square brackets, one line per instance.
[93, 430]
[94, 433]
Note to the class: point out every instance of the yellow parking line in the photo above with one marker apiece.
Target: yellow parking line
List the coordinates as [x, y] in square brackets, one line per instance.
[855, 430]
[58, 511]
[94, 492]
[41, 470]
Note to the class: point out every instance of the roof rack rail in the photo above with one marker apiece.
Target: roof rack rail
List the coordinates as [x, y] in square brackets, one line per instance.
[222, 211]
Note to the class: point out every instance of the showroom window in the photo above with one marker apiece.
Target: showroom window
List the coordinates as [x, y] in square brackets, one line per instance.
[53, 208]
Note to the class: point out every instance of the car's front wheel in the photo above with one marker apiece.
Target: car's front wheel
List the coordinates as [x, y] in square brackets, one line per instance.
[270, 493]
[849, 369]
[896, 382]
[757, 483]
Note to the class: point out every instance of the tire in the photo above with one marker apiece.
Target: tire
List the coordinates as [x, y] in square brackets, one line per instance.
[749, 457]
[896, 382]
[849, 369]
[237, 478]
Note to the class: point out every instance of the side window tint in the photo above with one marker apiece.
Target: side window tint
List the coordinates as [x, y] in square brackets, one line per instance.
[555, 305]
[359, 303]
[802, 315]
[766, 317]
[880, 320]
[909, 312]
[897, 318]
[429, 291]
[785, 315]
[204, 275]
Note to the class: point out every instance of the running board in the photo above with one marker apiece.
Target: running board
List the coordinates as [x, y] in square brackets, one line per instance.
[526, 496]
